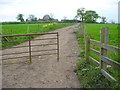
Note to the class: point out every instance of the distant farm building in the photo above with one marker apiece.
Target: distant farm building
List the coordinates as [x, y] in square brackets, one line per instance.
[46, 18]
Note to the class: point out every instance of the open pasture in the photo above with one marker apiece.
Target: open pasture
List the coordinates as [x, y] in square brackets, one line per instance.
[94, 31]
[31, 28]
[27, 28]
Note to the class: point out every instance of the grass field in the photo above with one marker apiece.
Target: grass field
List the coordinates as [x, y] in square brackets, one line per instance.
[93, 77]
[31, 28]
[27, 28]
[94, 31]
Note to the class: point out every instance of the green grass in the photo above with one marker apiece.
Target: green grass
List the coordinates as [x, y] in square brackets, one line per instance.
[92, 78]
[94, 31]
[31, 28]
[27, 28]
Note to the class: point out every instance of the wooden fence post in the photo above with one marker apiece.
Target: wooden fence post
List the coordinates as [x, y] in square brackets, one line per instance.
[87, 47]
[81, 32]
[84, 31]
[103, 51]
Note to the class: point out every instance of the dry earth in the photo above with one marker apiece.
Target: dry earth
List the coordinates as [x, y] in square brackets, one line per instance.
[45, 71]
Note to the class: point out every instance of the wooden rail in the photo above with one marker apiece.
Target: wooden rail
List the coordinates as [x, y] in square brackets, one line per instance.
[110, 61]
[104, 47]
[95, 51]
[94, 60]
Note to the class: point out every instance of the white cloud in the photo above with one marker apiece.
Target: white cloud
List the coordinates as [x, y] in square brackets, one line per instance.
[10, 8]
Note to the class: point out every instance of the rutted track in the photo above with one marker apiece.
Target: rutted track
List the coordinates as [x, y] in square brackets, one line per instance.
[45, 71]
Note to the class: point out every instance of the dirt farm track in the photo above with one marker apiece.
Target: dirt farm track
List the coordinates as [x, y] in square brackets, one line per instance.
[45, 71]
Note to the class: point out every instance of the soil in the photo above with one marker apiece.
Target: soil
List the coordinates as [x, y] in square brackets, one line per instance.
[44, 71]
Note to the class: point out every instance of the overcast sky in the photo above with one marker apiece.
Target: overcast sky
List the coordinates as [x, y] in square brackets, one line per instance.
[9, 9]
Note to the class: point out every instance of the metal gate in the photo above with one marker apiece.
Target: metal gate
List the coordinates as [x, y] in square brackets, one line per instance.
[26, 46]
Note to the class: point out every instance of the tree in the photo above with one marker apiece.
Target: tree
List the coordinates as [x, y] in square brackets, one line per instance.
[104, 20]
[64, 18]
[81, 13]
[20, 17]
[112, 21]
[35, 19]
[32, 18]
[51, 15]
[90, 16]
[75, 18]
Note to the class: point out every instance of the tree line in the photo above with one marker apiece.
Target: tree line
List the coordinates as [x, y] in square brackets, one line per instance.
[89, 16]
[30, 18]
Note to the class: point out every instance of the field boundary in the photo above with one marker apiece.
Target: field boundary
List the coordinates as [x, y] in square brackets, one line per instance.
[104, 62]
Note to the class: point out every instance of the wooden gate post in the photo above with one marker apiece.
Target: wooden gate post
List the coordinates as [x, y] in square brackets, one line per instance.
[103, 51]
[87, 47]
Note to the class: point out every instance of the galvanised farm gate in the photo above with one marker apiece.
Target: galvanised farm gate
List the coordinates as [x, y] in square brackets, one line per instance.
[29, 39]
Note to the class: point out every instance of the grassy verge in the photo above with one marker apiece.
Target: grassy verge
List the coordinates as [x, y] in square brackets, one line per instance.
[88, 74]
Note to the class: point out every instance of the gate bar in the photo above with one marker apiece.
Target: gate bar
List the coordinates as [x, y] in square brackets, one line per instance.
[57, 47]
[30, 50]
[30, 45]
[26, 34]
